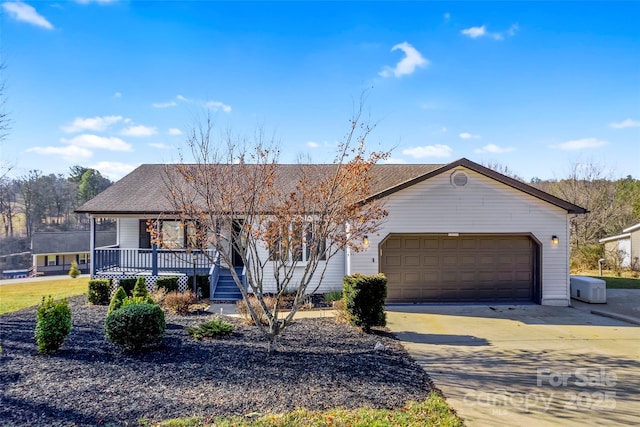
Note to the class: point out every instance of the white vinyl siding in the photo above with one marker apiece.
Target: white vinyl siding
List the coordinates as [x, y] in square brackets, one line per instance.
[483, 205]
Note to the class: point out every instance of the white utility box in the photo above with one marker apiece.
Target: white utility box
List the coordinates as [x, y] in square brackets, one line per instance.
[588, 289]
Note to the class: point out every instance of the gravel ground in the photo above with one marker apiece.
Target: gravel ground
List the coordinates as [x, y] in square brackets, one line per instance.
[320, 365]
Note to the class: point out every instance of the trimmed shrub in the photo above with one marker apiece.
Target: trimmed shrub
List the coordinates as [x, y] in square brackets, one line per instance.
[53, 324]
[128, 284]
[178, 303]
[243, 310]
[211, 329]
[136, 300]
[364, 300]
[168, 283]
[98, 293]
[140, 289]
[116, 300]
[74, 271]
[135, 327]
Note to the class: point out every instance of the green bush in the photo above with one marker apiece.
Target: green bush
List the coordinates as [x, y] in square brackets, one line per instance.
[586, 257]
[364, 298]
[116, 300]
[211, 329]
[74, 271]
[128, 284]
[136, 300]
[98, 293]
[53, 324]
[140, 289]
[135, 327]
[168, 283]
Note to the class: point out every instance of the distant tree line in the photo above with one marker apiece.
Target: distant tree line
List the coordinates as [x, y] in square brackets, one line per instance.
[38, 202]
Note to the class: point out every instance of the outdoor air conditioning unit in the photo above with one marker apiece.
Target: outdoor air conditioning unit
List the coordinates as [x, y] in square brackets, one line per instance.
[588, 289]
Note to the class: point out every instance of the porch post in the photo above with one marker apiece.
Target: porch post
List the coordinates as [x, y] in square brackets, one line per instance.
[92, 245]
[154, 259]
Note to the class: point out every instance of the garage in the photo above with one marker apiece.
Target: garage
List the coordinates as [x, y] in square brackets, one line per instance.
[465, 268]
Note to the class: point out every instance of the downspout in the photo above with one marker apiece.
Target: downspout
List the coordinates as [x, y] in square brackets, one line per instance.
[92, 245]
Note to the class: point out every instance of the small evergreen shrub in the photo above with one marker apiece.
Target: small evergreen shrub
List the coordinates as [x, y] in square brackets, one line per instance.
[74, 271]
[116, 300]
[98, 293]
[211, 329]
[53, 324]
[364, 298]
[140, 289]
[136, 300]
[128, 284]
[243, 310]
[178, 303]
[168, 283]
[135, 327]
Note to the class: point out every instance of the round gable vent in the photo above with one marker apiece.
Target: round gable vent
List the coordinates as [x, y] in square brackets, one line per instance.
[459, 179]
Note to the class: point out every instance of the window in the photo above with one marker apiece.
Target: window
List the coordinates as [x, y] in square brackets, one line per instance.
[299, 243]
[173, 235]
[52, 260]
[144, 236]
[83, 258]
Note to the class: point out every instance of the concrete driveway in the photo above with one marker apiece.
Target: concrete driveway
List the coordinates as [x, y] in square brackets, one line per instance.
[526, 365]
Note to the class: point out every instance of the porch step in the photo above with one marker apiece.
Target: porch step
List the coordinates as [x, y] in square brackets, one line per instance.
[226, 289]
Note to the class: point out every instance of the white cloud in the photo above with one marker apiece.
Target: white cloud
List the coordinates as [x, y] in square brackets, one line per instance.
[217, 105]
[113, 170]
[467, 135]
[407, 65]
[164, 104]
[213, 105]
[174, 131]
[95, 141]
[70, 152]
[437, 150]
[313, 144]
[159, 146]
[96, 124]
[25, 13]
[474, 32]
[492, 148]
[579, 144]
[628, 123]
[139, 131]
[117, 95]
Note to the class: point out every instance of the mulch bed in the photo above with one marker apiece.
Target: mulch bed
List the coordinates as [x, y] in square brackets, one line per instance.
[89, 381]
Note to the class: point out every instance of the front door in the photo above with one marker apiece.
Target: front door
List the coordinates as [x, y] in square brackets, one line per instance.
[237, 244]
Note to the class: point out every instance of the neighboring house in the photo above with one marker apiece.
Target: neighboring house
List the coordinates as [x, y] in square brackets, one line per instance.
[458, 232]
[624, 249]
[53, 252]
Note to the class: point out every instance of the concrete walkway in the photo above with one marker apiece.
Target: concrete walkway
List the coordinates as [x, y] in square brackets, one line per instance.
[622, 304]
[526, 365]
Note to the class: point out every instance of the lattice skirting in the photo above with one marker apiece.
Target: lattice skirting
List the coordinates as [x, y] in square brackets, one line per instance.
[150, 281]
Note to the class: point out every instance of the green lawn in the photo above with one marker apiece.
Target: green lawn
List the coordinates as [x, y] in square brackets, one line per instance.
[620, 282]
[16, 296]
[434, 411]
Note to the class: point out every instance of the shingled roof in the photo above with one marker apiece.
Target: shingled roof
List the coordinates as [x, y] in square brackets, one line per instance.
[143, 191]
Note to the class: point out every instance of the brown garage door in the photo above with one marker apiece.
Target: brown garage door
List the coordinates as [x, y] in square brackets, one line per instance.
[466, 268]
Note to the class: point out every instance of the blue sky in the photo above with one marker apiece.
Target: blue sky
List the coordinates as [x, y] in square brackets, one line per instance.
[536, 86]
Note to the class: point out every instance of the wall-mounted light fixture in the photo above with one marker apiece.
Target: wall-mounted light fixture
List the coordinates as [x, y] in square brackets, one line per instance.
[365, 242]
[555, 240]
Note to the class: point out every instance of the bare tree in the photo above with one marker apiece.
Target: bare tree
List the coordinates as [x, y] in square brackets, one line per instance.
[285, 222]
